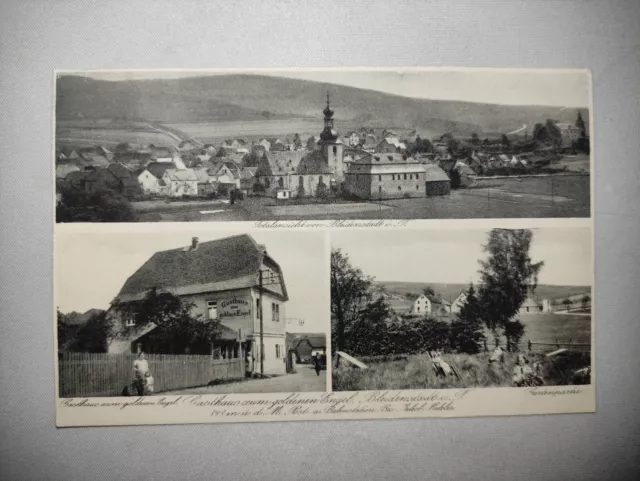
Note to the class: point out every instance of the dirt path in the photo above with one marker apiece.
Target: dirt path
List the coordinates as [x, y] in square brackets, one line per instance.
[304, 380]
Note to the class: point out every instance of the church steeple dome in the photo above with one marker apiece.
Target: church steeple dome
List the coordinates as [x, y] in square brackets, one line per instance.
[328, 134]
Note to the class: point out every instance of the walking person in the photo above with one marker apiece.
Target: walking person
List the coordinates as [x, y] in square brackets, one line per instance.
[142, 373]
[316, 364]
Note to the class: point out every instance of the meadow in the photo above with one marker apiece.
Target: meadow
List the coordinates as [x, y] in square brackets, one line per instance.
[552, 327]
[416, 372]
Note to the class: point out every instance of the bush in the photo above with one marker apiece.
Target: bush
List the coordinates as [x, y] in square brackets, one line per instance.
[466, 336]
[456, 180]
[436, 335]
[102, 206]
[258, 188]
[222, 190]
[321, 191]
[513, 331]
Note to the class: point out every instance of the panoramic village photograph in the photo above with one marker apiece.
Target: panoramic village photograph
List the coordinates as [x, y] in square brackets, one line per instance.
[153, 146]
[461, 308]
[191, 312]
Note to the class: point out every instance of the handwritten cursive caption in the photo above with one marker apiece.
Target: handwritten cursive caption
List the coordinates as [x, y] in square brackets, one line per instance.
[295, 404]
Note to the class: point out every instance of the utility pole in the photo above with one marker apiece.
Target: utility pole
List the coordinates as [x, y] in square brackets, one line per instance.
[261, 326]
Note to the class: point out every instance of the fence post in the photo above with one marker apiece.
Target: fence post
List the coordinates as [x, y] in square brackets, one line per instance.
[529, 345]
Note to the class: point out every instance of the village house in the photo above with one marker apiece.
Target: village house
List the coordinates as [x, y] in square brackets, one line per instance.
[151, 179]
[310, 346]
[569, 134]
[226, 172]
[530, 306]
[116, 177]
[456, 305]
[63, 169]
[205, 185]
[352, 138]
[232, 280]
[181, 182]
[391, 145]
[247, 178]
[385, 176]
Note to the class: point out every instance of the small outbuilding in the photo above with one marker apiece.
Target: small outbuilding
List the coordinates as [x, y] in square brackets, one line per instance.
[437, 182]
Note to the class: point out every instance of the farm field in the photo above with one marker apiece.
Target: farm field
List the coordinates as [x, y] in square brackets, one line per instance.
[216, 132]
[549, 327]
[81, 137]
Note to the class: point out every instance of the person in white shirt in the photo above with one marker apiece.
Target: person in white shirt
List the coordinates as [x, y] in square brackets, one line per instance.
[140, 371]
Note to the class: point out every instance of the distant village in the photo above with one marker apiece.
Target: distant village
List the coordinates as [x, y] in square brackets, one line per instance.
[366, 163]
[436, 304]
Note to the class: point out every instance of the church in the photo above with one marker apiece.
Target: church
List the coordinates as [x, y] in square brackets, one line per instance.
[305, 173]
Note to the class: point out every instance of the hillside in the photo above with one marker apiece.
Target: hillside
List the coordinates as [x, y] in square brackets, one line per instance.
[451, 291]
[241, 97]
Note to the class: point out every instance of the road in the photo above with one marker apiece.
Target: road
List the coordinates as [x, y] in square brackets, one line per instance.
[304, 380]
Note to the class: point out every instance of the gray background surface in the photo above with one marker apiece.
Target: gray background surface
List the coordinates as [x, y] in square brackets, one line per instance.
[36, 37]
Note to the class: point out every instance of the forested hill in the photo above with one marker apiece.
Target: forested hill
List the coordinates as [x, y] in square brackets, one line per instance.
[254, 97]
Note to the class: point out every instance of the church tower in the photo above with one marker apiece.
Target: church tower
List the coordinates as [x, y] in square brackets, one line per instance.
[332, 146]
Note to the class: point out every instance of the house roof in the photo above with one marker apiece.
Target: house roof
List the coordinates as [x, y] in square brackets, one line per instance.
[396, 142]
[157, 169]
[89, 158]
[202, 175]
[181, 174]
[62, 170]
[161, 152]
[119, 170]
[565, 125]
[248, 173]
[223, 264]
[316, 342]
[284, 162]
[434, 173]
[384, 158]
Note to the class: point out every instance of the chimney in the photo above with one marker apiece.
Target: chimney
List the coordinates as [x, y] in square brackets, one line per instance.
[194, 243]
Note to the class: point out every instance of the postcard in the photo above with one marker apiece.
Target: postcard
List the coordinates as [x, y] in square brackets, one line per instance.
[322, 244]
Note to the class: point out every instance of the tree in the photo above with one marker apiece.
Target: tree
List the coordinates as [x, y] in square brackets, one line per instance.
[92, 336]
[176, 328]
[297, 142]
[475, 140]
[103, 206]
[63, 329]
[322, 191]
[581, 125]
[508, 276]
[504, 140]
[567, 303]
[466, 330]
[456, 179]
[428, 291]
[354, 305]
[585, 301]
[513, 331]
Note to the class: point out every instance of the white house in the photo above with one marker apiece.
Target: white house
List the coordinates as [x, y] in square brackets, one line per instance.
[422, 305]
[181, 182]
[456, 306]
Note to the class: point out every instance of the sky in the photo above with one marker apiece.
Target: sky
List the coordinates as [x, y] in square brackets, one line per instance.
[450, 256]
[564, 88]
[91, 267]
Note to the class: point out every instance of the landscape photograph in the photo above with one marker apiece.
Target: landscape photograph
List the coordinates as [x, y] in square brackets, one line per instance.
[461, 308]
[216, 145]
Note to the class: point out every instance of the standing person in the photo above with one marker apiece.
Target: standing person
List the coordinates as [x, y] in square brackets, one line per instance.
[140, 370]
[316, 364]
[248, 367]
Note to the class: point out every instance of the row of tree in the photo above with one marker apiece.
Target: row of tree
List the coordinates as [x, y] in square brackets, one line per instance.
[364, 324]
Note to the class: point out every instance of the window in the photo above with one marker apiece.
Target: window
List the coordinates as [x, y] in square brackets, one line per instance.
[380, 178]
[258, 309]
[275, 312]
[417, 187]
[277, 351]
[281, 182]
[300, 181]
[418, 308]
[212, 309]
[335, 150]
[399, 188]
[405, 176]
[267, 183]
[130, 321]
[393, 176]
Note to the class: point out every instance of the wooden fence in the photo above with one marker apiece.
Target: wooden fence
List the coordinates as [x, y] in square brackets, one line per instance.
[101, 375]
